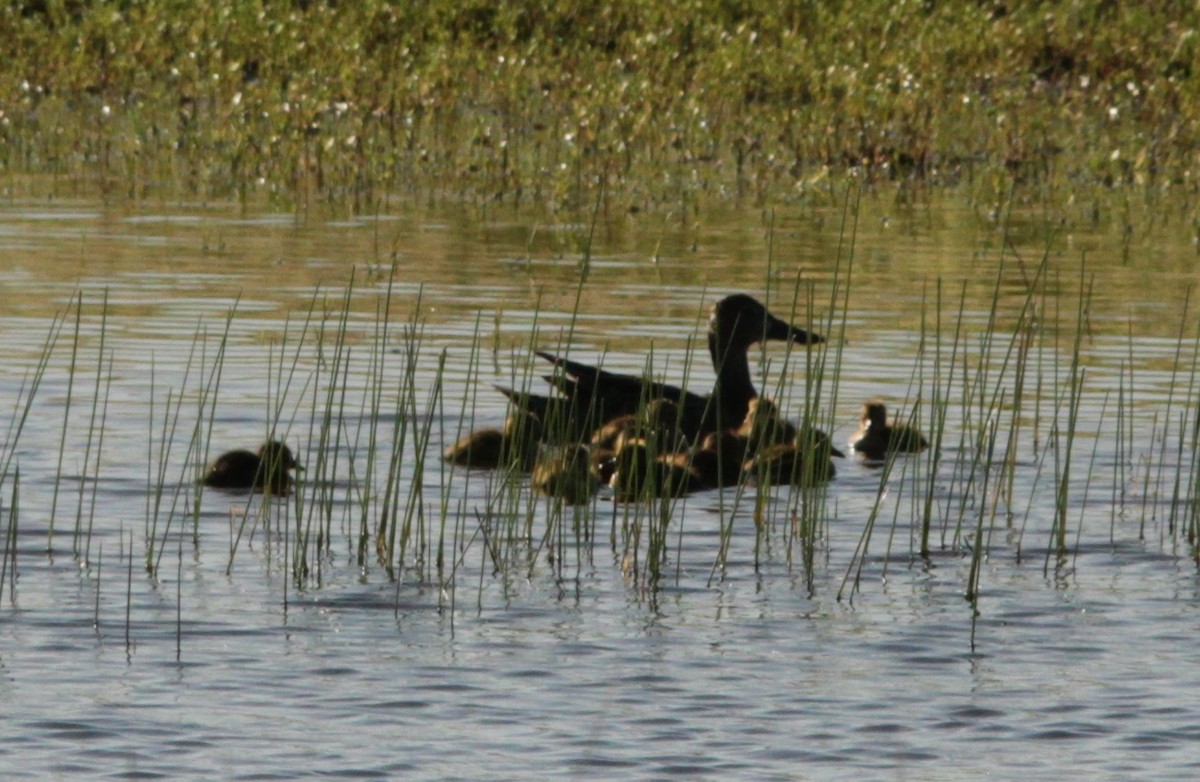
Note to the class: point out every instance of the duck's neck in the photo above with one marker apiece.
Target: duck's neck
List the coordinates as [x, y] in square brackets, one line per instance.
[733, 390]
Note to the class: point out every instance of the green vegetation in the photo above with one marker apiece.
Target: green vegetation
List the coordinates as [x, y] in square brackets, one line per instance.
[560, 105]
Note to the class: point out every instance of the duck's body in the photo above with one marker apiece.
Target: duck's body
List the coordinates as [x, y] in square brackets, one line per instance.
[268, 470]
[875, 437]
[591, 396]
[489, 449]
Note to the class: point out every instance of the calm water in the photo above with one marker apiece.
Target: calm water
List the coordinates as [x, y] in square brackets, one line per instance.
[225, 665]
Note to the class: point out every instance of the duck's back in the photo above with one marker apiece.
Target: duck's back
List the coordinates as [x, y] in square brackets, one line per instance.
[233, 470]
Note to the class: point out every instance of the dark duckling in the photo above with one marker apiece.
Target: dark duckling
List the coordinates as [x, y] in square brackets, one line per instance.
[656, 423]
[590, 395]
[790, 464]
[639, 472]
[811, 439]
[764, 426]
[490, 449]
[717, 463]
[267, 471]
[568, 475]
[875, 437]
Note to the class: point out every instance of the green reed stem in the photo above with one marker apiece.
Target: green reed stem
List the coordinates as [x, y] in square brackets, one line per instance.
[91, 434]
[62, 437]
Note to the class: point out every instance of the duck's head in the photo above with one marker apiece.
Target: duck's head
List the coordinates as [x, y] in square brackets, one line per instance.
[764, 425]
[739, 321]
[523, 424]
[874, 414]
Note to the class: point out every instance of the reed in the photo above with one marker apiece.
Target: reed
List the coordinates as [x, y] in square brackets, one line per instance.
[99, 582]
[8, 561]
[1071, 397]
[188, 490]
[128, 591]
[390, 548]
[376, 383]
[23, 405]
[95, 437]
[102, 426]
[62, 438]
[179, 600]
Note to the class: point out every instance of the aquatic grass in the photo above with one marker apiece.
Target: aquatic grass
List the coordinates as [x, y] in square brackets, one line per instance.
[80, 541]
[811, 502]
[1091, 472]
[95, 478]
[281, 376]
[23, 405]
[497, 536]
[375, 384]
[560, 108]
[8, 558]
[189, 490]
[1065, 440]
[179, 600]
[329, 383]
[938, 403]
[390, 547]
[99, 582]
[62, 439]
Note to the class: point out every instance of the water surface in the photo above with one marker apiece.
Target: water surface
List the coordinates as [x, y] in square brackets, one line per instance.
[230, 661]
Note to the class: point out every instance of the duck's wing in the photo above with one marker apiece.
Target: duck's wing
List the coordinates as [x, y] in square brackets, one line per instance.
[616, 394]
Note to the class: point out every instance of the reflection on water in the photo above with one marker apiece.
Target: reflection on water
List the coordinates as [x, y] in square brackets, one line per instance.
[270, 642]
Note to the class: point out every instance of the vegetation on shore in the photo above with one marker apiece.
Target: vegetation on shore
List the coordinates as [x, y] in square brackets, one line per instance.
[556, 104]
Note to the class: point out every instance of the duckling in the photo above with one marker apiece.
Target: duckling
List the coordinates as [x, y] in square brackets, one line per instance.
[809, 438]
[875, 437]
[660, 420]
[657, 422]
[764, 426]
[267, 470]
[717, 463]
[489, 449]
[567, 475]
[790, 463]
[639, 472]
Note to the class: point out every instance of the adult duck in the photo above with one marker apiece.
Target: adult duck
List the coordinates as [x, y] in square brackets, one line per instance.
[269, 470]
[591, 396]
[875, 437]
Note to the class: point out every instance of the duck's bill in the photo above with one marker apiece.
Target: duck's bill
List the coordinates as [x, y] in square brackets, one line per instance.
[786, 332]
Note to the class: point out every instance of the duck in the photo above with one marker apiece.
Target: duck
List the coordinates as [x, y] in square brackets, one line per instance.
[268, 470]
[717, 462]
[490, 448]
[764, 426]
[638, 472]
[810, 438]
[875, 437]
[590, 396]
[568, 475]
[790, 464]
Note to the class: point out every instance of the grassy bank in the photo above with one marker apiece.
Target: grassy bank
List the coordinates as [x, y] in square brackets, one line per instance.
[652, 106]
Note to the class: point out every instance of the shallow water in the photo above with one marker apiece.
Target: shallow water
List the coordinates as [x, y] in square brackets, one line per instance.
[567, 657]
